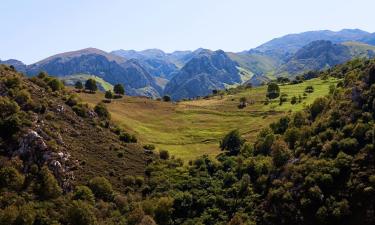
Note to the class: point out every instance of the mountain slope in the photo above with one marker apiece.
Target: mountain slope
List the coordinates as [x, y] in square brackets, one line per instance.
[205, 72]
[111, 68]
[316, 56]
[18, 65]
[291, 43]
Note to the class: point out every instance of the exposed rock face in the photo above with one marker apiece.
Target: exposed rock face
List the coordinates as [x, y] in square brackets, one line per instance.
[205, 72]
[34, 150]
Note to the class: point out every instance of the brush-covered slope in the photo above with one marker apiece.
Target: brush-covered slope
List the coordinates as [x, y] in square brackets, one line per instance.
[111, 68]
[45, 125]
[205, 72]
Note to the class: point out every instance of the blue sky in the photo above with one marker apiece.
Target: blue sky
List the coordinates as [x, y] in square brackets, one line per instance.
[34, 29]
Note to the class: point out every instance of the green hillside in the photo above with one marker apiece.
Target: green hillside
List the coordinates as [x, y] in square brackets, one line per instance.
[72, 79]
[193, 128]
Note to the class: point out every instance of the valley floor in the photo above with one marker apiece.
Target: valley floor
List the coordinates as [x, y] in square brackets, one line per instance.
[192, 128]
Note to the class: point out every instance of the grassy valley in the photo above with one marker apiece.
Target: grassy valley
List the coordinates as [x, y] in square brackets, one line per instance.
[189, 129]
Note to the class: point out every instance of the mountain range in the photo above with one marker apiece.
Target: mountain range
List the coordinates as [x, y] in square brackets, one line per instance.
[188, 74]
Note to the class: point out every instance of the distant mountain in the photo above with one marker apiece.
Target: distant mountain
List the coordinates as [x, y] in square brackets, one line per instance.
[157, 62]
[206, 71]
[315, 56]
[285, 46]
[20, 66]
[109, 67]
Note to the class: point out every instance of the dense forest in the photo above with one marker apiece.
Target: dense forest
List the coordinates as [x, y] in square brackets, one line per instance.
[315, 166]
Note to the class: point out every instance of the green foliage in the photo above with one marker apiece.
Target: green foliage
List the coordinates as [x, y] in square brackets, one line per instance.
[164, 154]
[273, 91]
[47, 186]
[128, 138]
[81, 110]
[166, 98]
[119, 89]
[318, 106]
[280, 126]
[11, 179]
[101, 188]
[91, 85]
[232, 142]
[108, 94]
[81, 213]
[55, 84]
[309, 89]
[84, 193]
[102, 111]
[78, 85]
[280, 153]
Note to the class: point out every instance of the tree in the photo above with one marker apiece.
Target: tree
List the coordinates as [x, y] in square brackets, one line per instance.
[119, 89]
[164, 154]
[163, 210]
[293, 100]
[84, 193]
[102, 188]
[91, 85]
[273, 91]
[108, 94]
[166, 98]
[232, 142]
[283, 98]
[309, 89]
[55, 84]
[280, 153]
[318, 106]
[10, 178]
[78, 85]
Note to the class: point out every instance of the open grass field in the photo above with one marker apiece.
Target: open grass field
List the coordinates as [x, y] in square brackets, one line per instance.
[192, 128]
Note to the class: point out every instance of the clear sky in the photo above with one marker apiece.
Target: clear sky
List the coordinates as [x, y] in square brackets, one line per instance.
[34, 29]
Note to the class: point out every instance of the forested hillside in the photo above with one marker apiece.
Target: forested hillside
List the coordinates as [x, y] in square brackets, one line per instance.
[315, 166]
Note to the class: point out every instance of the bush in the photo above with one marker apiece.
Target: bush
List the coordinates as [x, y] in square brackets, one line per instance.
[273, 91]
[78, 85]
[309, 89]
[72, 100]
[166, 98]
[47, 186]
[294, 100]
[55, 84]
[84, 193]
[232, 142]
[318, 106]
[10, 178]
[101, 188]
[81, 110]
[129, 180]
[119, 89]
[108, 95]
[280, 153]
[81, 213]
[102, 111]
[283, 98]
[164, 154]
[149, 147]
[128, 138]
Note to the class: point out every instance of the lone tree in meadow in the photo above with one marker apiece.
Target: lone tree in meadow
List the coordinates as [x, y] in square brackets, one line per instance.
[119, 89]
[232, 142]
[91, 85]
[273, 91]
[78, 85]
[166, 98]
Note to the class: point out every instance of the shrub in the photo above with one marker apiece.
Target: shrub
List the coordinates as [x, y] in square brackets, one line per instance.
[47, 186]
[283, 98]
[166, 98]
[149, 147]
[22, 97]
[72, 100]
[273, 91]
[232, 142]
[280, 153]
[129, 180]
[128, 138]
[163, 210]
[80, 109]
[55, 84]
[10, 178]
[108, 95]
[78, 85]
[81, 213]
[280, 126]
[119, 89]
[294, 100]
[164, 154]
[309, 89]
[102, 111]
[318, 106]
[101, 188]
[84, 193]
